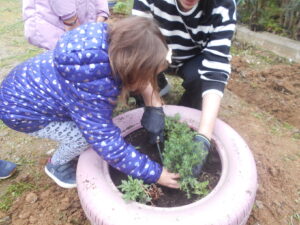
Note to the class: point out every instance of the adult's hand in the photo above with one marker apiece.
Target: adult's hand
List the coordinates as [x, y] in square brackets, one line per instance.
[204, 145]
[153, 121]
[169, 179]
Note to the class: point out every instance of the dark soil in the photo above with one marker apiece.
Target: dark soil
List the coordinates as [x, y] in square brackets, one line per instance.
[170, 197]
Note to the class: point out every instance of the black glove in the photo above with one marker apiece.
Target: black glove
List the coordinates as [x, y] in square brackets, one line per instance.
[153, 121]
[205, 145]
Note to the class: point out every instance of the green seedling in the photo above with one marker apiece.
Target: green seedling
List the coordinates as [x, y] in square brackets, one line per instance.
[135, 190]
[181, 154]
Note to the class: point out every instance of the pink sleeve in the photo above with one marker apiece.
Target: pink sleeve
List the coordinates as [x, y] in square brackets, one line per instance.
[102, 8]
[63, 9]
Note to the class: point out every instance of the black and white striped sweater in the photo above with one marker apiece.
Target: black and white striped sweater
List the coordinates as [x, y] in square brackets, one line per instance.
[193, 33]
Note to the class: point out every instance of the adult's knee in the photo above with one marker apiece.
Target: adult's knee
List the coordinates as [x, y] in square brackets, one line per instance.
[192, 97]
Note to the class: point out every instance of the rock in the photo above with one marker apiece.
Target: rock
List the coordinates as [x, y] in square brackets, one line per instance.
[33, 220]
[3, 133]
[31, 198]
[65, 204]
[76, 205]
[20, 222]
[5, 220]
[23, 178]
[277, 203]
[50, 152]
[2, 214]
[259, 204]
[273, 171]
[45, 194]
[24, 214]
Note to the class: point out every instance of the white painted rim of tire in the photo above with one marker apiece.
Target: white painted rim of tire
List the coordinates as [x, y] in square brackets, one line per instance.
[230, 202]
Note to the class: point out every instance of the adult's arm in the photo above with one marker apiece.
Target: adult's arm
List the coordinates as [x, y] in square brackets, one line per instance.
[143, 8]
[215, 66]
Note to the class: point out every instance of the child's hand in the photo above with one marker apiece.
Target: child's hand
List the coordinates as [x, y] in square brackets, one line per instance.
[168, 179]
[205, 146]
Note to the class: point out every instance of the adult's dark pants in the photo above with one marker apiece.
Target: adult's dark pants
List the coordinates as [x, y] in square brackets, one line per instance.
[192, 96]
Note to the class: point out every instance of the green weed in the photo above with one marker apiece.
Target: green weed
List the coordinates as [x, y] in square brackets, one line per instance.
[296, 135]
[123, 7]
[181, 154]
[2, 125]
[12, 192]
[294, 219]
[135, 190]
[255, 55]
[258, 115]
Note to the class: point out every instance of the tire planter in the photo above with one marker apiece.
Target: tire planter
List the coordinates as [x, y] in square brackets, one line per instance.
[230, 202]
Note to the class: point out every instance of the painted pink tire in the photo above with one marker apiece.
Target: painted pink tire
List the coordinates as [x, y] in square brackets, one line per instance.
[229, 203]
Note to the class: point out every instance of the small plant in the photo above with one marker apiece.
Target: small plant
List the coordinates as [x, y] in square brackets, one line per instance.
[181, 154]
[191, 183]
[135, 190]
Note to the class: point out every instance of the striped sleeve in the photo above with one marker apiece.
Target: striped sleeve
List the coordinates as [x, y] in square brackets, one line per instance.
[215, 68]
[194, 33]
[143, 8]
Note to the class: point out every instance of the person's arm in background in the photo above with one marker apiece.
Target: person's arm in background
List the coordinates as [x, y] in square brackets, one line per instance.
[142, 8]
[102, 10]
[216, 65]
[66, 11]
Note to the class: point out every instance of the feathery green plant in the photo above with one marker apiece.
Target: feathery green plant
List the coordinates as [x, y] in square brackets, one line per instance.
[181, 154]
[135, 190]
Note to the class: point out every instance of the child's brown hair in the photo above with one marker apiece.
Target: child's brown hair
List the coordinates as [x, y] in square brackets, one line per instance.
[137, 53]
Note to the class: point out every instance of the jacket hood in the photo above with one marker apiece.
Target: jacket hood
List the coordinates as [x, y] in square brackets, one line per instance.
[81, 55]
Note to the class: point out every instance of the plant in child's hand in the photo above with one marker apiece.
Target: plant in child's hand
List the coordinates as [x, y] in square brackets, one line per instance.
[135, 190]
[181, 154]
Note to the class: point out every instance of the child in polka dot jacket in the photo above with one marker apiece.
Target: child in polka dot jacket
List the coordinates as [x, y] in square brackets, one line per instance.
[68, 95]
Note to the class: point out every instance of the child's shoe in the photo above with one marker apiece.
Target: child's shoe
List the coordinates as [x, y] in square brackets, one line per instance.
[7, 169]
[63, 175]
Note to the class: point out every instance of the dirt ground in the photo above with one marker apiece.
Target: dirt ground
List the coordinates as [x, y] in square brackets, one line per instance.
[261, 102]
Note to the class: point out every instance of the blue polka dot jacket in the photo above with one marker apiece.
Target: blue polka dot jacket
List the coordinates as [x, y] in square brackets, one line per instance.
[74, 82]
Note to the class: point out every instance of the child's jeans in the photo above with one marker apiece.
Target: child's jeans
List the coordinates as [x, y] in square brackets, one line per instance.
[70, 139]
